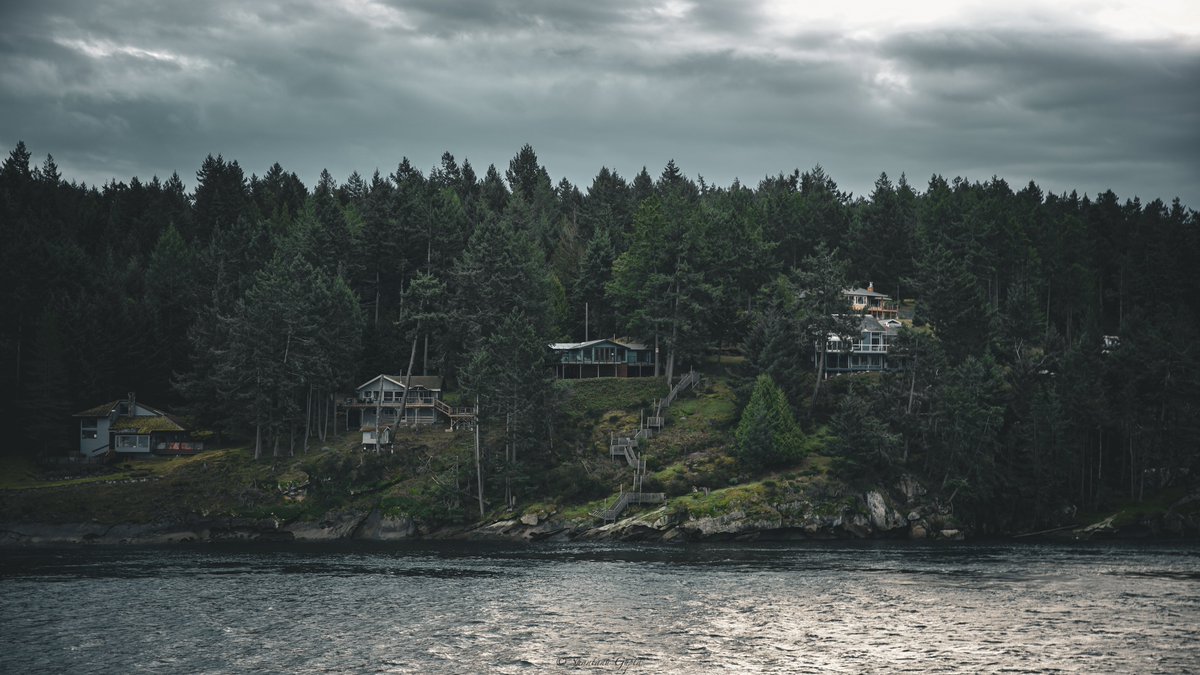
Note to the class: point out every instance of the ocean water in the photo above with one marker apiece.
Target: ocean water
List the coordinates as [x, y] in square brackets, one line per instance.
[602, 608]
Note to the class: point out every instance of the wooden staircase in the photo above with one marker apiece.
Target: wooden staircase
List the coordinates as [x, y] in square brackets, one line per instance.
[610, 515]
[461, 417]
[626, 447]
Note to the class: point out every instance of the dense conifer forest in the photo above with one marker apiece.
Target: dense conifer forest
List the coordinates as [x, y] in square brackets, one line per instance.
[246, 301]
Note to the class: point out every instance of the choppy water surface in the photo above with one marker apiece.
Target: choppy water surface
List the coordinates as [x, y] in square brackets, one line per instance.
[602, 608]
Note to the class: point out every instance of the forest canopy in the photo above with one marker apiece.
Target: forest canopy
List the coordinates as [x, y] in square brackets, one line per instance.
[236, 299]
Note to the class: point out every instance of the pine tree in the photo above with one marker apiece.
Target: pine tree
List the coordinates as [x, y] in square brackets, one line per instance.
[767, 434]
[510, 374]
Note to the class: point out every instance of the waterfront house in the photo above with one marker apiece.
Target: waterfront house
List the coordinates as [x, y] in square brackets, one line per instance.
[603, 358]
[126, 427]
[384, 395]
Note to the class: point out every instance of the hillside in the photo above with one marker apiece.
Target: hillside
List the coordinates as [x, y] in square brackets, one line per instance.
[422, 488]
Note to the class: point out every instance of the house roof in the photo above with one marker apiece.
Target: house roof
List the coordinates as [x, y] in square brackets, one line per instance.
[863, 291]
[869, 324]
[145, 425]
[106, 409]
[874, 325]
[623, 342]
[431, 382]
[100, 410]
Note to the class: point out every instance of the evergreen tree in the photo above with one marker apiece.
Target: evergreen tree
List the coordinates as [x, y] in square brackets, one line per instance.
[222, 198]
[45, 405]
[510, 375]
[767, 434]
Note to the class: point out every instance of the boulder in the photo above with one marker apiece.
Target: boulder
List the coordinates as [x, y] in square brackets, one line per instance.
[910, 488]
[396, 527]
[883, 518]
[335, 525]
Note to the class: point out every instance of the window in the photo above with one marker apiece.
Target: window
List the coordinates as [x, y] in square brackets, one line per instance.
[131, 442]
[87, 429]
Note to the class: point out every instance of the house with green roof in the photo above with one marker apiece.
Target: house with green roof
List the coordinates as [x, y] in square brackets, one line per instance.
[126, 427]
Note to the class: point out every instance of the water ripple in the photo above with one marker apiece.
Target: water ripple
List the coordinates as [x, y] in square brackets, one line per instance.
[455, 608]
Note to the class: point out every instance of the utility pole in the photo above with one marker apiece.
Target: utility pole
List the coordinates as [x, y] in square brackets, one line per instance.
[478, 471]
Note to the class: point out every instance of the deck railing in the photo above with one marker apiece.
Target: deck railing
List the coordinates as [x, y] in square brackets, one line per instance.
[626, 447]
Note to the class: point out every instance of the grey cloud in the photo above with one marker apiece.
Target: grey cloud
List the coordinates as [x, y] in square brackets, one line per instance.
[309, 85]
[448, 18]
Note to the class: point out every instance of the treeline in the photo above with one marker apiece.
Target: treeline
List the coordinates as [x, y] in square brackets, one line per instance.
[249, 300]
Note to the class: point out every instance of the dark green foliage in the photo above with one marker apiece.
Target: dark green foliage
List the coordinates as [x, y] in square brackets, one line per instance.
[43, 405]
[767, 435]
[774, 344]
[864, 441]
[509, 374]
[1009, 401]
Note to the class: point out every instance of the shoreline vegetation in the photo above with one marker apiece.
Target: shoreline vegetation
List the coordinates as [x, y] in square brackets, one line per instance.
[341, 492]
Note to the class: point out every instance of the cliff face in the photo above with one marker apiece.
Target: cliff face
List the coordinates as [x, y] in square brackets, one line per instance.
[770, 510]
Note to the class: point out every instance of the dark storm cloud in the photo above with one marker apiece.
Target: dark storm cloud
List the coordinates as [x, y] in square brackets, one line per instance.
[124, 88]
[1058, 107]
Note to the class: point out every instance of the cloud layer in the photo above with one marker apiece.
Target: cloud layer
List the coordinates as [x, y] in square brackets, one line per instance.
[1089, 97]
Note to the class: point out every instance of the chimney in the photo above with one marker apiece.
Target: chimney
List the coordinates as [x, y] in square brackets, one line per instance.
[871, 286]
[132, 405]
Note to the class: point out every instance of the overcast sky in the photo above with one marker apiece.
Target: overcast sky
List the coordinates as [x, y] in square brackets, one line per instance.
[1070, 94]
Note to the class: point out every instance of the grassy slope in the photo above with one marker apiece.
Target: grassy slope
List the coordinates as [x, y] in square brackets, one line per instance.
[426, 476]
[230, 483]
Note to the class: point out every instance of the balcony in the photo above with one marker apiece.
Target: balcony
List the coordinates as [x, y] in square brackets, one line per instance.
[414, 401]
[858, 347]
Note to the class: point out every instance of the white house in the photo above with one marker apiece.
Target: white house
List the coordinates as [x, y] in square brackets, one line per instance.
[127, 427]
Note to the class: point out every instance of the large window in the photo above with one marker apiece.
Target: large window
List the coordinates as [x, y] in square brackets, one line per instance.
[131, 442]
[87, 429]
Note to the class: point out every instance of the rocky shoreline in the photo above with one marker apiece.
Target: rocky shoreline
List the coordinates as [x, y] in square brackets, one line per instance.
[869, 515]
[769, 511]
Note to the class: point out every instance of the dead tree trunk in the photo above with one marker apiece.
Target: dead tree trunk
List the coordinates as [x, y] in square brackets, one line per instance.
[308, 417]
[478, 469]
[812, 405]
[412, 357]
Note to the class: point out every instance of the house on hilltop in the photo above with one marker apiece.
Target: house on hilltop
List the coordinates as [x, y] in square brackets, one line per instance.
[603, 358]
[126, 427]
[865, 352]
[867, 301]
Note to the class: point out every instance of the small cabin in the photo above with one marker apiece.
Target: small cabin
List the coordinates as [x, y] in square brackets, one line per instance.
[602, 358]
[126, 427]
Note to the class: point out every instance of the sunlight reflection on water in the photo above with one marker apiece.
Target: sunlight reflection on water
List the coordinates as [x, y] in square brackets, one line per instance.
[602, 608]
